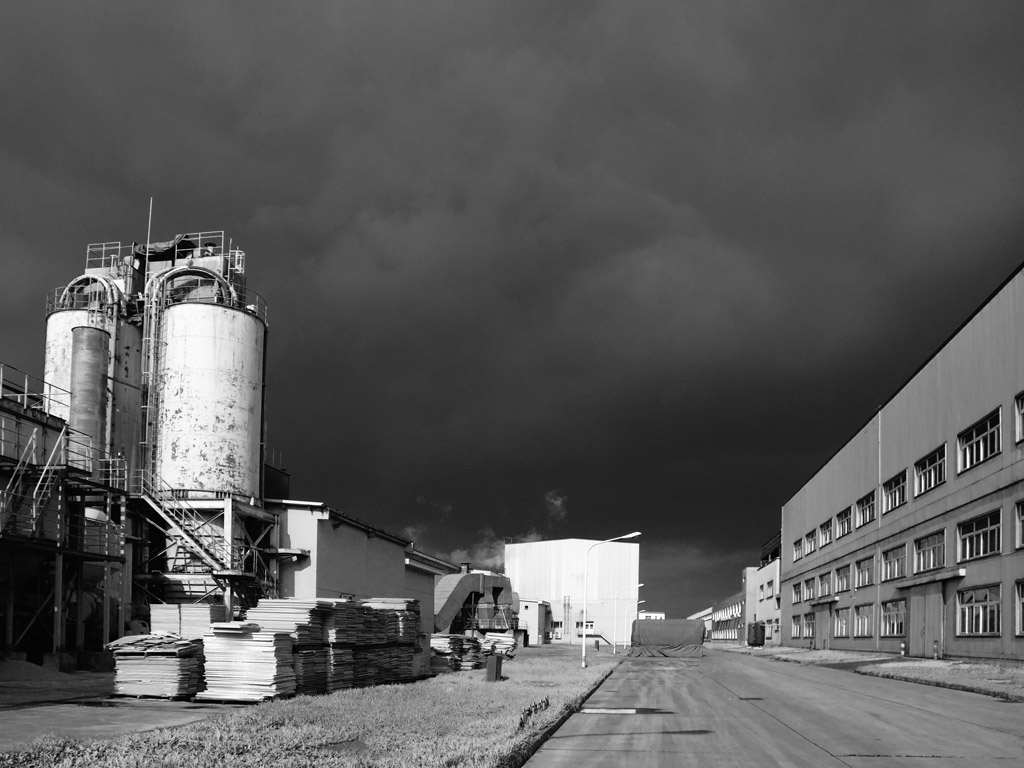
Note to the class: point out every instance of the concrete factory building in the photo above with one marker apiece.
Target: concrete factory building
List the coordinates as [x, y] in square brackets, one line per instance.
[912, 534]
[552, 572]
[135, 471]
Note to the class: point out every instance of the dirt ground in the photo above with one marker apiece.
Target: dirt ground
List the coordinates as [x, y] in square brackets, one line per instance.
[1002, 679]
[23, 684]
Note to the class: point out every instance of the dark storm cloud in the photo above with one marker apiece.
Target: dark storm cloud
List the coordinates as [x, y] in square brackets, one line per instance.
[662, 257]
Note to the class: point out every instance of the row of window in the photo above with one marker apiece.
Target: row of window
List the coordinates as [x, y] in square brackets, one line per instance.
[766, 590]
[976, 444]
[976, 538]
[979, 614]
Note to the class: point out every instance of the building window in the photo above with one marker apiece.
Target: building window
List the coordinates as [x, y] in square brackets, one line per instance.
[808, 625]
[979, 611]
[930, 552]
[865, 571]
[825, 533]
[930, 471]
[894, 617]
[796, 593]
[810, 543]
[1020, 524]
[795, 631]
[1020, 607]
[894, 563]
[863, 618]
[866, 509]
[844, 523]
[843, 579]
[809, 589]
[825, 584]
[842, 624]
[769, 588]
[798, 549]
[894, 492]
[979, 441]
[760, 592]
[1018, 405]
[980, 537]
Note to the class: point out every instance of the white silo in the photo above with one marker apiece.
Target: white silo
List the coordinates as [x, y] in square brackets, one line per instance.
[206, 388]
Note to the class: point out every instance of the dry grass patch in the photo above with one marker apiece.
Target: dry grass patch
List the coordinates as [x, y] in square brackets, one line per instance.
[449, 721]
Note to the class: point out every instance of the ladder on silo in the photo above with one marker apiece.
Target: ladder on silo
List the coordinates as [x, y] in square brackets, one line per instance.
[150, 343]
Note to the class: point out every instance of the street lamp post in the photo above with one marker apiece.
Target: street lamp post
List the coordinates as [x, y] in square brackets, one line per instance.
[626, 617]
[615, 613]
[586, 562]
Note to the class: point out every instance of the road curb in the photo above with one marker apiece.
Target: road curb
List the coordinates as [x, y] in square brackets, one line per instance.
[518, 759]
[941, 684]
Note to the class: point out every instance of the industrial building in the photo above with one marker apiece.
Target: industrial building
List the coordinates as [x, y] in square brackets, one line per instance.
[728, 618]
[553, 572]
[768, 608]
[135, 471]
[911, 537]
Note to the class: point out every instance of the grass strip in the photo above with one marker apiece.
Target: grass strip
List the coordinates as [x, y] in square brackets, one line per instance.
[449, 721]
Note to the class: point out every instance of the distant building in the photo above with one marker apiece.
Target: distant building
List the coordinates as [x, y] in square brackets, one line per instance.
[535, 621]
[651, 616]
[727, 618]
[705, 616]
[767, 609]
[912, 534]
[552, 572]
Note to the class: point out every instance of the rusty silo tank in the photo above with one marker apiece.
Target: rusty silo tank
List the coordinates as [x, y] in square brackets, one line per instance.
[206, 392]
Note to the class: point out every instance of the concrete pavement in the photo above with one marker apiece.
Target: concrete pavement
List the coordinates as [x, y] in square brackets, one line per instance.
[733, 710]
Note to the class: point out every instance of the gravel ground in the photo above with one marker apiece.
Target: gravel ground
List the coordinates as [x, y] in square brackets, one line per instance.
[1004, 680]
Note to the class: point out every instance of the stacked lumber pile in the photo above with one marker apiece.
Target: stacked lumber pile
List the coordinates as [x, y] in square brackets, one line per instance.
[455, 653]
[500, 644]
[160, 665]
[190, 621]
[306, 621]
[244, 663]
[387, 651]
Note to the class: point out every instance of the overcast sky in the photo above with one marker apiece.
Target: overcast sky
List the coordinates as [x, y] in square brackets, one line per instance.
[541, 269]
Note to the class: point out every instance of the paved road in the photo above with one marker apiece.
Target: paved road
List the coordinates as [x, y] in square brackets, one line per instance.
[728, 709]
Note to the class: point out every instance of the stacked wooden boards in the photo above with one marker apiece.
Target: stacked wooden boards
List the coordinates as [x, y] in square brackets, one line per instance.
[157, 665]
[188, 620]
[245, 663]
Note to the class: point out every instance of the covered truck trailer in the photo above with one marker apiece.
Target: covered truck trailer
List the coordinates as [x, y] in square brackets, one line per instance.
[672, 637]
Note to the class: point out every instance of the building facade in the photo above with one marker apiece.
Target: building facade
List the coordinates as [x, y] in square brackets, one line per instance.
[912, 535]
[727, 618]
[553, 571]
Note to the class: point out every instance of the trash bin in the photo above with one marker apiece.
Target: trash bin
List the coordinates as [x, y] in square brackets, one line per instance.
[493, 669]
[755, 633]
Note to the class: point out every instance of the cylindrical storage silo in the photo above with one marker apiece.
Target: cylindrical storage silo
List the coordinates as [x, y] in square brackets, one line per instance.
[90, 356]
[209, 398]
[89, 300]
[57, 364]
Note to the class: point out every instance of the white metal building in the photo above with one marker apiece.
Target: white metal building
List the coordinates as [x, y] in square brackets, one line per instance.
[552, 571]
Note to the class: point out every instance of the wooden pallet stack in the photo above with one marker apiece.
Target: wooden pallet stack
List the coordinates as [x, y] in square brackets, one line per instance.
[500, 644]
[157, 665]
[306, 622]
[455, 653]
[244, 663]
[188, 620]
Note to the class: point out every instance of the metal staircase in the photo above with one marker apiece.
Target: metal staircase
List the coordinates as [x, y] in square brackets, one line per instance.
[48, 479]
[186, 526]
